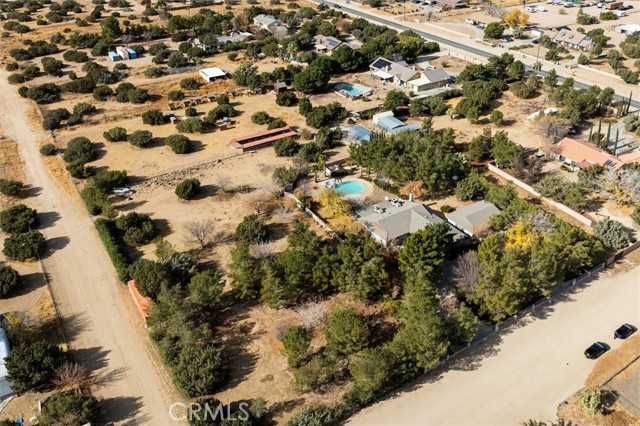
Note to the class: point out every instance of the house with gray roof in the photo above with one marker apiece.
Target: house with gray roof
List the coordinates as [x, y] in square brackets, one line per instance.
[572, 40]
[326, 44]
[429, 79]
[234, 37]
[473, 219]
[398, 72]
[265, 21]
[388, 123]
[392, 221]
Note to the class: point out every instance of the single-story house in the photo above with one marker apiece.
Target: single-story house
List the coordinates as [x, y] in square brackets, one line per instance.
[429, 79]
[234, 37]
[279, 31]
[452, 4]
[392, 221]
[262, 139]
[326, 44]
[5, 389]
[572, 40]
[357, 134]
[280, 86]
[580, 154]
[473, 219]
[211, 74]
[386, 122]
[265, 21]
[398, 72]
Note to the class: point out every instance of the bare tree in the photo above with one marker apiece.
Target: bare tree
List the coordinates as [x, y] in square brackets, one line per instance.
[72, 376]
[262, 201]
[313, 312]
[262, 250]
[283, 214]
[200, 231]
[540, 222]
[465, 272]
[553, 129]
[224, 182]
[280, 329]
[624, 188]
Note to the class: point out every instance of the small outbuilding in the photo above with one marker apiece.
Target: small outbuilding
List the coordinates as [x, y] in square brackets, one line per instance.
[211, 74]
[123, 52]
[113, 56]
[473, 219]
[280, 86]
[5, 388]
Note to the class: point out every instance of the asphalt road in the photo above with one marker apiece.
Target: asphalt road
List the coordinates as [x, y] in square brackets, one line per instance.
[454, 45]
[525, 371]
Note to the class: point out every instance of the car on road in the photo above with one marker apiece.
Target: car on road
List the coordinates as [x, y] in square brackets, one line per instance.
[506, 40]
[337, 6]
[624, 331]
[596, 350]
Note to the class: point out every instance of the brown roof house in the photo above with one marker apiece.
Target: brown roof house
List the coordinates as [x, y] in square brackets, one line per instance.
[580, 154]
[572, 40]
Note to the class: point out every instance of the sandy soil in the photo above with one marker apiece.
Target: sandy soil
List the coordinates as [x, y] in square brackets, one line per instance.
[96, 315]
[525, 371]
[572, 412]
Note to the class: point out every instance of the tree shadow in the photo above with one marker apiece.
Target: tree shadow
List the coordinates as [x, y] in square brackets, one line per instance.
[101, 150]
[30, 282]
[55, 244]
[197, 146]
[48, 219]
[91, 358]
[132, 205]
[277, 231]
[106, 377]
[124, 410]
[31, 191]
[280, 408]
[163, 226]
[206, 191]
[74, 325]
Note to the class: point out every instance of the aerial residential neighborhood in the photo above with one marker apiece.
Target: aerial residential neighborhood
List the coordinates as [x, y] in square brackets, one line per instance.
[310, 212]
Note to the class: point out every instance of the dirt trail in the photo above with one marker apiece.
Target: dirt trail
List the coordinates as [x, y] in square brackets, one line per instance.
[96, 315]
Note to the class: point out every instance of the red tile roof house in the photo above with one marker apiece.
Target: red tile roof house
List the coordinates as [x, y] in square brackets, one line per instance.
[262, 139]
[580, 154]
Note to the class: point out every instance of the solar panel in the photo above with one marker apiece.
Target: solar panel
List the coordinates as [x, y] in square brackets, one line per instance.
[332, 42]
[609, 163]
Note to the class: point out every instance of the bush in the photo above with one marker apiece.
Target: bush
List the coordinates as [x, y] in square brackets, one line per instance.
[636, 215]
[138, 228]
[106, 180]
[118, 259]
[261, 117]
[286, 147]
[297, 343]
[199, 370]
[179, 144]
[188, 189]
[608, 16]
[286, 99]
[18, 219]
[346, 333]
[176, 95]
[102, 93]
[153, 117]
[189, 84]
[79, 150]
[138, 96]
[24, 246]
[70, 409]
[251, 230]
[140, 138]
[116, 134]
[32, 364]
[10, 187]
[48, 149]
[191, 112]
[154, 72]
[190, 125]
[84, 108]
[9, 281]
[75, 56]
[611, 233]
[276, 123]
[44, 94]
[80, 170]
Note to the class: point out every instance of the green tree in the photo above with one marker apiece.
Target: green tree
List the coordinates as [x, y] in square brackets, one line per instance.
[304, 106]
[361, 270]
[473, 187]
[395, 99]
[251, 230]
[150, 277]
[179, 144]
[70, 409]
[297, 343]
[496, 117]
[591, 400]
[18, 219]
[24, 246]
[9, 281]
[245, 273]
[116, 134]
[188, 189]
[32, 364]
[504, 151]
[10, 187]
[153, 117]
[346, 333]
[79, 150]
[205, 290]
[200, 370]
[370, 369]
[493, 30]
[110, 28]
[286, 147]
[313, 79]
[426, 250]
[140, 138]
[611, 233]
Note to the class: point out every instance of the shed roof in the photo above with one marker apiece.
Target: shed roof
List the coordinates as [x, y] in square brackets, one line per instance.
[436, 75]
[473, 218]
[5, 389]
[213, 72]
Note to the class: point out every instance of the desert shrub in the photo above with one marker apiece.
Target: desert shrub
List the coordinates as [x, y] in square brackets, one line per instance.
[287, 99]
[52, 119]
[189, 84]
[115, 134]
[44, 94]
[276, 123]
[138, 229]
[251, 230]
[611, 233]
[79, 150]
[286, 147]
[175, 95]
[118, 259]
[190, 125]
[10, 187]
[70, 409]
[140, 138]
[191, 112]
[24, 246]
[48, 149]
[188, 189]
[84, 108]
[18, 219]
[102, 93]
[153, 117]
[9, 281]
[297, 343]
[179, 144]
[138, 96]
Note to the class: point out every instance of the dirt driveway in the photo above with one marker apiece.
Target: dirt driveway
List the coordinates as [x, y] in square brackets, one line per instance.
[98, 320]
[524, 372]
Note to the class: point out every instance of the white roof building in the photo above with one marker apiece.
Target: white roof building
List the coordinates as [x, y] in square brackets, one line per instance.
[265, 21]
[5, 389]
[210, 74]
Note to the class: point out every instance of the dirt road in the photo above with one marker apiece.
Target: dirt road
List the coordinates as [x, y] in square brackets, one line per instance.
[523, 373]
[100, 325]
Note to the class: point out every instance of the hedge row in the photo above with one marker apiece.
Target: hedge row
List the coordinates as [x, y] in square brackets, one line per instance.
[118, 259]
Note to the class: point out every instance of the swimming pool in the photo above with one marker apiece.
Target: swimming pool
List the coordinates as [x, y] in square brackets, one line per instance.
[351, 187]
[352, 90]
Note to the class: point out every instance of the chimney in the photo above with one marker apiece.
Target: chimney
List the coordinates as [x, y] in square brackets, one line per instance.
[411, 197]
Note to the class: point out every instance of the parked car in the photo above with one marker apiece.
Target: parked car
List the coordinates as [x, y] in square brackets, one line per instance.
[572, 131]
[536, 41]
[480, 26]
[506, 40]
[624, 331]
[596, 350]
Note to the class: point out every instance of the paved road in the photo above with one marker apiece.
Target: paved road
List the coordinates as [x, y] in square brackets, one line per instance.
[524, 372]
[469, 47]
[102, 330]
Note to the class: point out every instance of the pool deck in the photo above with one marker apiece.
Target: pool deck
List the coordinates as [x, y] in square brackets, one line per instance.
[368, 187]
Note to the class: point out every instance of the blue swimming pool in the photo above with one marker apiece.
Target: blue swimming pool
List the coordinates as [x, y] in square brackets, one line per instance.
[351, 187]
[351, 90]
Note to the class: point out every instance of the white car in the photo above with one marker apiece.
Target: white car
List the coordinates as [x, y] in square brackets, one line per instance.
[122, 191]
[541, 9]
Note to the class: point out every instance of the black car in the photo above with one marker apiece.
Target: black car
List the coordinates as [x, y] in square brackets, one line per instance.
[595, 350]
[624, 331]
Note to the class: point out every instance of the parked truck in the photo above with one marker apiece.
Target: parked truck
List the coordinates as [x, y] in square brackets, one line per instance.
[613, 6]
